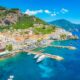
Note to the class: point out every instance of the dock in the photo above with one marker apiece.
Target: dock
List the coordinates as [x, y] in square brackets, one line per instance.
[39, 53]
[59, 58]
[67, 47]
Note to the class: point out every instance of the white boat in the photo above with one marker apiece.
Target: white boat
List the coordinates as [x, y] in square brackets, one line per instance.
[11, 76]
[28, 53]
[36, 56]
[10, 79]
[41, 58]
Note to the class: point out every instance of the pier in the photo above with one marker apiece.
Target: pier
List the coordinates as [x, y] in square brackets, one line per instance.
[46, 55]
[67, 47]
[39, 53]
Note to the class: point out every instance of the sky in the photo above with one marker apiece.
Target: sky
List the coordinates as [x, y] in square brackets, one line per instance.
[47, 10]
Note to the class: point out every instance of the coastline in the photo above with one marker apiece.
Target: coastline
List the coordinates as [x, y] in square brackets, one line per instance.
[13, 53]
[39, 41]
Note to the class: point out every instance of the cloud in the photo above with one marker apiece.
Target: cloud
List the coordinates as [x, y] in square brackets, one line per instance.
[63, 10]
[31, 12]
[34, 12]
[54, 14]
[47, 11]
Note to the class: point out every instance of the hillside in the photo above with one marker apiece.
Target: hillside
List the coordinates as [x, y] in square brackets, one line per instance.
[14, 19]
[65, 24]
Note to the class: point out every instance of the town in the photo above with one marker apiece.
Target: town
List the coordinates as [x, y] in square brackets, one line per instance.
[23, 33]
[12, 41]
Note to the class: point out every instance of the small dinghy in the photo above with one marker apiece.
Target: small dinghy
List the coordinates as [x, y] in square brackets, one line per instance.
[28, 53]
[11, 77]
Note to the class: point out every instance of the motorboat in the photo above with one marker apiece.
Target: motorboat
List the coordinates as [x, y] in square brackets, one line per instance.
[36, 56]
[40, 58]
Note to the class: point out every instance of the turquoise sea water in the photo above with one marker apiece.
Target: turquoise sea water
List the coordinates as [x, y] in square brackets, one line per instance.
[24, 67]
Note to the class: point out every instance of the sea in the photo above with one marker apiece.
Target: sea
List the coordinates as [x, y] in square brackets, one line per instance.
[25, 67]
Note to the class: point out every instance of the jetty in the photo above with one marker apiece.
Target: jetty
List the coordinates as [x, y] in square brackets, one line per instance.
[59, 58]
[37, 54]
[67, 47]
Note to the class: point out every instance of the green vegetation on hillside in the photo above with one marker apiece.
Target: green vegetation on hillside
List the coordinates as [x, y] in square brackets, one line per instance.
[2, 8]
[14, 10]
[44, 30]
[17, 20]
[27, 21]
[9, 47]
[63, 36]
[24, 22]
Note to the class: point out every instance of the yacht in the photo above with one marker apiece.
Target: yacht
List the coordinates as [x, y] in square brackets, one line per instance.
[40, 58]
[36, 56]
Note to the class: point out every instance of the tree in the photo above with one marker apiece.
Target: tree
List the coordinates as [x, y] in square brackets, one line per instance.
[54, 28]
[63, 36]
[2, 8]
[13, 10]
[9, 47]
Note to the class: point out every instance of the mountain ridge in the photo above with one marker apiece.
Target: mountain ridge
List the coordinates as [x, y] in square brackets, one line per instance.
[63, 23]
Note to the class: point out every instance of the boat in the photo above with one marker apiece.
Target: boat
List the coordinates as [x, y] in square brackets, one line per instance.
[29, 53]
[40, 58]
[36, 56]
[10, 77]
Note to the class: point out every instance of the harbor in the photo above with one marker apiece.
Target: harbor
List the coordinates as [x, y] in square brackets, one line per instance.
[47, 55]
[38, 55]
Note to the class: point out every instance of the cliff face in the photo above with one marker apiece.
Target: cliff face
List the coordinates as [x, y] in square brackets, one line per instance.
[8, 17]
